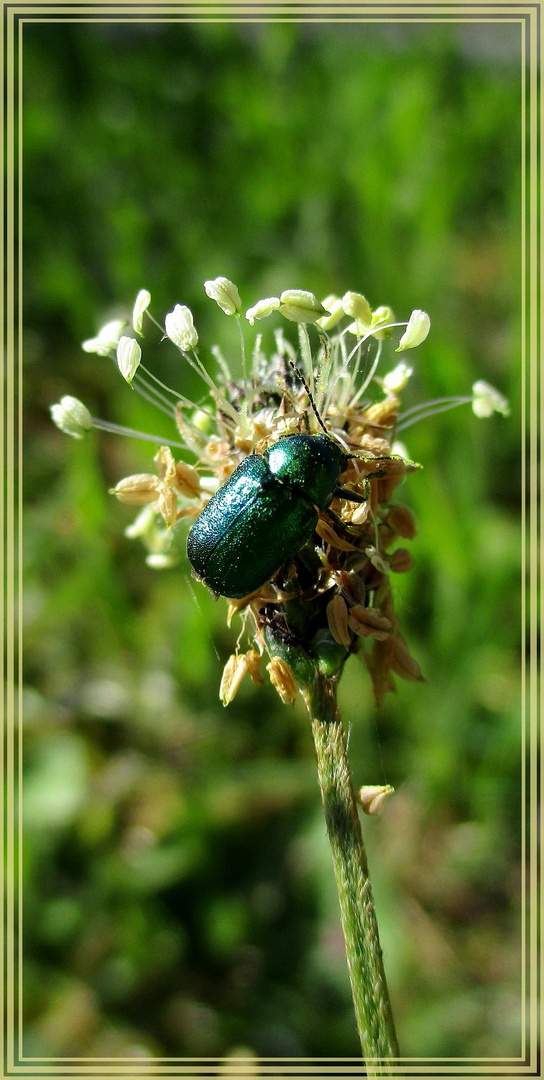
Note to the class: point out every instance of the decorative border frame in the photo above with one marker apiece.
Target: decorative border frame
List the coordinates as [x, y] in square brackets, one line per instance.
[528, 17]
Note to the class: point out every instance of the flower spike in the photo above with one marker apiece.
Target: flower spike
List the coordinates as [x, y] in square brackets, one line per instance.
[346, 560]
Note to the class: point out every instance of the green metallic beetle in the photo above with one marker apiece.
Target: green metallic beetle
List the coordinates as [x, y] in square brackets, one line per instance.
[265, 513]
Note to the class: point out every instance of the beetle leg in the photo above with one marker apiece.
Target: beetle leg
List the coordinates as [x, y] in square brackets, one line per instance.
[353, 496]
[343, 526]
[345, 493]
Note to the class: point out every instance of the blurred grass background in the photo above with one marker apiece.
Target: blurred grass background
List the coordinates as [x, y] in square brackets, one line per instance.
[178, 892]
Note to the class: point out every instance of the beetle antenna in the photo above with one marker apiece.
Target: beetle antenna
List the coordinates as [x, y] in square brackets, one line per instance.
[300, 376]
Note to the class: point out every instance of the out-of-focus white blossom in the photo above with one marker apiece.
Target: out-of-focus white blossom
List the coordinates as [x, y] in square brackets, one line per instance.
[71, 416]
[106, 339]
[486, 400]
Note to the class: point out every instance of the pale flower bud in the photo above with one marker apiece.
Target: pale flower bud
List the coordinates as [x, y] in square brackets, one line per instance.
[180, 328]
[187, 479]
[202, 421]
[161, 560]
[157, 540]
[416, 331]
[141, 305]
[373, 797]
[253, 666]
[401, 521]
[486, 400]
[262, 309]
[106, 339]
[358, 329]
[129, 355]
[166, 466]
[396, 379]
[357, 307]
[376, 559]
[332, 305]
[399, 449]
[401, 561]
[225, 293]
[401, 660]
[282, 680]
[71, 416]
[234, 671]
[167, 505]
[137, 490]
[300, 306]
[337, 618]
[382, 316]
[384, 412]
[143, 524]
[369, 622]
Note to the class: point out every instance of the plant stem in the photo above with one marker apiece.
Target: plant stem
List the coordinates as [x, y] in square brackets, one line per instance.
[364, 955]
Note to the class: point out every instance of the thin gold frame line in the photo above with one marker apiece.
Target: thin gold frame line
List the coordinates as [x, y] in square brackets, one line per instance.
[384, 11]
[533, 268]
[20, 543]
[10, 583]
[523, 571]
[3, 537]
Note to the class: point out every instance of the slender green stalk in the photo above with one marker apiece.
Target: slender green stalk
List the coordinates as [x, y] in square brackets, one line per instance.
[364, 955]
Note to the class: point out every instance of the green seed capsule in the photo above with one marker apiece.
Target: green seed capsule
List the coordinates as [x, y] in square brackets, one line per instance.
[264, 513]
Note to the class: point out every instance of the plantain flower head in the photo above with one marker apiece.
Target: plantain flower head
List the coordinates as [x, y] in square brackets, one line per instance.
[335, 595]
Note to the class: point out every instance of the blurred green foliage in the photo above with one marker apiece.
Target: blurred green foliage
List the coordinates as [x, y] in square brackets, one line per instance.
[178, 893]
